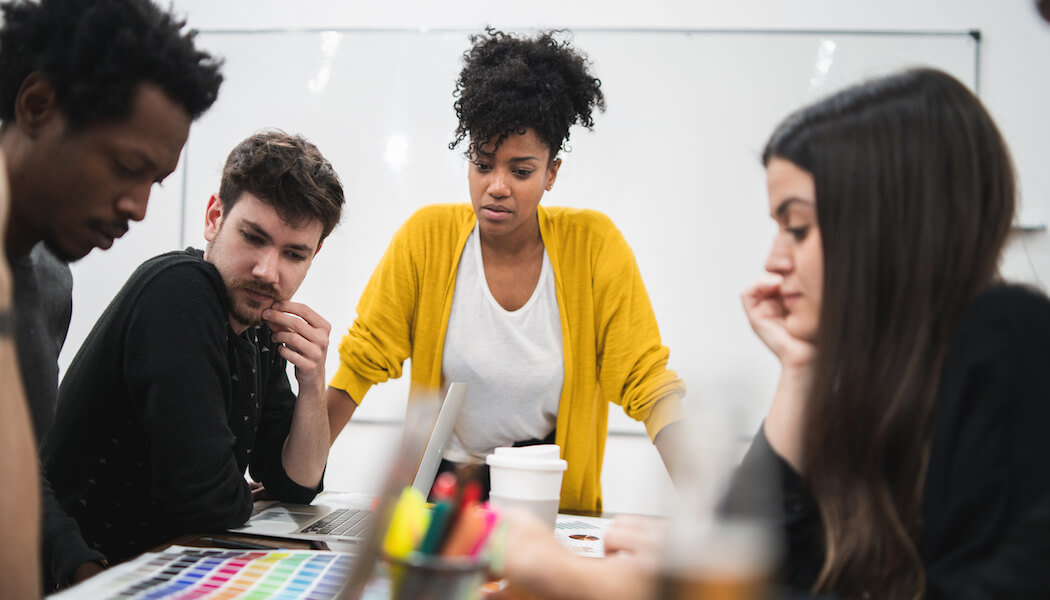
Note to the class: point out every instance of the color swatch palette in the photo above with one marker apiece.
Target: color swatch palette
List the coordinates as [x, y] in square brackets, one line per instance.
[181, 573]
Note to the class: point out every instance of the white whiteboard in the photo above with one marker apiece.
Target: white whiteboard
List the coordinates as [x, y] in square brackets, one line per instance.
[674, 161]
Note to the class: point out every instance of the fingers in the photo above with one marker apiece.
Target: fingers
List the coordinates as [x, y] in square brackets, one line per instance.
[292, 316]
[635, 534]
[766, 288]
[763, 303]
[302, 333]
[260, 493]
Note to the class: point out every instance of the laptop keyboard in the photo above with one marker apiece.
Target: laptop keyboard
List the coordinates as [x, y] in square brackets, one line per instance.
[349, 522]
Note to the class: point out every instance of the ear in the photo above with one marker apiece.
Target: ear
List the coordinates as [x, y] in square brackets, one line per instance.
[213, 217]
[552, 173]
[36, 105]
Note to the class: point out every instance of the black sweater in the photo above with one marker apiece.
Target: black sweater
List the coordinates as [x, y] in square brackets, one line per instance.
[986, 501]
[164, 408]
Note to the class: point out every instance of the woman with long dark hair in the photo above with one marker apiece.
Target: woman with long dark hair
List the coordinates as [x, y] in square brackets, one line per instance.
[910, 414]
[908, 428]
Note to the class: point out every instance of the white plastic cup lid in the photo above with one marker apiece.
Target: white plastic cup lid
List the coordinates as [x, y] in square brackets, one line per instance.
[542, 457]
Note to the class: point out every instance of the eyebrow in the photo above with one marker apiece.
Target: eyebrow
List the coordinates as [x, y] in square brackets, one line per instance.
[786, 204]
[259, 231]
[137, 153]
[522, 158]
[149, 164]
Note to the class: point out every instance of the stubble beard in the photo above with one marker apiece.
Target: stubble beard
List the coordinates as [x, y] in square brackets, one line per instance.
[246, 310]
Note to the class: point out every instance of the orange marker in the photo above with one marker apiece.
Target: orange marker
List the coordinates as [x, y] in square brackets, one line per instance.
[468, 530]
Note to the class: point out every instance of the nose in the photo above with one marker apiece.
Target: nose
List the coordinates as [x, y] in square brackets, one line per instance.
[265, 268]
[498, 187]
[132, 205]
[779, 260]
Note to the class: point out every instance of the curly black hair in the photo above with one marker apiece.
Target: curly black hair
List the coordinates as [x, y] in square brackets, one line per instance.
[512, 83]
[95, 53]
[287, 172]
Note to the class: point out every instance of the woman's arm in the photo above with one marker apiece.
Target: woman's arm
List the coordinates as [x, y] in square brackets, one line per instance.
[20, 500]
[540, 565]
[784, 422]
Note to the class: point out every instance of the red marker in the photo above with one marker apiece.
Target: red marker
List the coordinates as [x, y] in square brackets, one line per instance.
[444, 487]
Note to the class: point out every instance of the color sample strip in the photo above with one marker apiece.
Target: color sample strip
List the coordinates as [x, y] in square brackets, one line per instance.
[205, 574]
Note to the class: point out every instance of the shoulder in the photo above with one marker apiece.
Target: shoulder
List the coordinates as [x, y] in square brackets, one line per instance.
[440, 217]
[41, 270]
[185, 265]
[1009, 315]
[1000, 351]
[433, 227]
[570, 233]
[49, 267]
[579, 221]
[177, 278]
[1011, 300]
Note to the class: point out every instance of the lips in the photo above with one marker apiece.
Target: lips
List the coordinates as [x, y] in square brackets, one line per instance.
[495, 212]
[258, 297]
[259, 292]
[107, 232]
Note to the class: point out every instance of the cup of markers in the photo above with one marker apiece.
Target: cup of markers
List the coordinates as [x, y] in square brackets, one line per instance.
[441, 552]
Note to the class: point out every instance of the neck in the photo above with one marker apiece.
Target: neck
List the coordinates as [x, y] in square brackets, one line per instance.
[20, 233]
[236, 326]
[516, 243]
[20, 237]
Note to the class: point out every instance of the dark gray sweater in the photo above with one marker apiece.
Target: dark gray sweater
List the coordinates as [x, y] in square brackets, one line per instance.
[43, 304]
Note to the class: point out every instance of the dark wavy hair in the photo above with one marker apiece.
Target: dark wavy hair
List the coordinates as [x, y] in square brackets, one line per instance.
[512, 83]
[288, 173]
[95, 53]
[915, 196]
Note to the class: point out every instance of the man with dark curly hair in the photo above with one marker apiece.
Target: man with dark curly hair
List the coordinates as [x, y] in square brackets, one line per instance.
[182, 383]
[542, 311]
[96, 101]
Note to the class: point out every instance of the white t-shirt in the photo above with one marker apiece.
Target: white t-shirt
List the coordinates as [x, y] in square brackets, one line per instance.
[511, 359]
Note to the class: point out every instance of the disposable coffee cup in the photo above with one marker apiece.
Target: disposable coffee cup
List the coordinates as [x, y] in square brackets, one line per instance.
[528, 477]
[546, 510]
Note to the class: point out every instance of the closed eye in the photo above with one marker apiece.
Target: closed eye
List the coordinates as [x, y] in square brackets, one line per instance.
[799, 233]
[253, 239]
[126, 170]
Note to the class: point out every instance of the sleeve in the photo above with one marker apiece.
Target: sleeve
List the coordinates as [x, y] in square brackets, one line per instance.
[380, 339]
[176, 367]
[987, 504]
[765, 487]
[63, 545]
[266, 463]
[631, 359]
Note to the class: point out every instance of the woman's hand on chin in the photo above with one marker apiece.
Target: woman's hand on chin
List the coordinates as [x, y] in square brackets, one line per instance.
[767, 315]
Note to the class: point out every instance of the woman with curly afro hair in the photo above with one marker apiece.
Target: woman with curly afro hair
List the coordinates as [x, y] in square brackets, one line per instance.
[541, 310]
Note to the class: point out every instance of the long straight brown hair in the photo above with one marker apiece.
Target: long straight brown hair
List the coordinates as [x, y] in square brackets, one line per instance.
[915, 197]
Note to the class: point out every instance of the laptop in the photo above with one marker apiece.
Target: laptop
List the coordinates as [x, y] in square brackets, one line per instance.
[348, 520]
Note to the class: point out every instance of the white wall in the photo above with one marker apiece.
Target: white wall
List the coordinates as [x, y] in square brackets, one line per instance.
[1014, 62]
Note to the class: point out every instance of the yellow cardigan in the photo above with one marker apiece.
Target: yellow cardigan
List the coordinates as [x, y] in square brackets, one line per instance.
[611, 344]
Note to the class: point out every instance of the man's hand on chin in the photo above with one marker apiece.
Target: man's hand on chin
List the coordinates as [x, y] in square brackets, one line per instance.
[303, 335]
